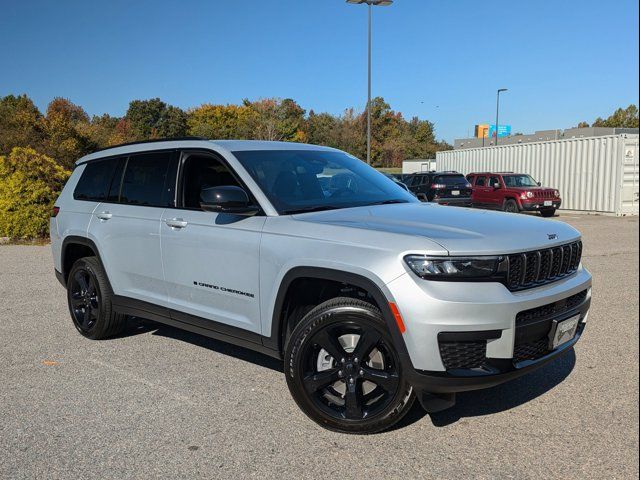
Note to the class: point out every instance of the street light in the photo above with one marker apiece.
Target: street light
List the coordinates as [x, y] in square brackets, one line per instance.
[500, 90]
[370, 3]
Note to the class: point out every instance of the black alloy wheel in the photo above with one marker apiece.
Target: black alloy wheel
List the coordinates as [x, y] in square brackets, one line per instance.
[344, 370]
[84, 300]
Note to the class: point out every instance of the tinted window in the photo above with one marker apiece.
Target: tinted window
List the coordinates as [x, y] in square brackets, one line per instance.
[296, 181]
[145, 180]
[450, 180]
[95, 181]
[480, 181]
[203, 171]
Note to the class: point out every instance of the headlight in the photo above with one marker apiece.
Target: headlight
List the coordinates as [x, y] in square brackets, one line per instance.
[556, 193]
[451, 268]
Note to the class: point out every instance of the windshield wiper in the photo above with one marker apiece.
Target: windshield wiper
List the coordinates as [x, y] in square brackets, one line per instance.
[389, 202]
[317, 208]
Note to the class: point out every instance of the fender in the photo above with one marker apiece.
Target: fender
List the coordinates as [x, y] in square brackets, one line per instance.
[276, 340]
[87, 242]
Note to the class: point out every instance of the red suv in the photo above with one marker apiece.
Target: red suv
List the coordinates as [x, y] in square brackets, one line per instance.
[513, 192]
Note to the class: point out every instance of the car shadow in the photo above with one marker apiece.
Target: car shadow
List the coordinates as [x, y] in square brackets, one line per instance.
[137, 326]
[499, 398]
[468, 404]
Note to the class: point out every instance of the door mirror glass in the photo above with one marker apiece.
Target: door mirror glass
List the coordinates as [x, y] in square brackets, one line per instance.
[226, 199]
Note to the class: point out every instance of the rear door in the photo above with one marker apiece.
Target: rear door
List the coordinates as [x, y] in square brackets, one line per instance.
[126, 228]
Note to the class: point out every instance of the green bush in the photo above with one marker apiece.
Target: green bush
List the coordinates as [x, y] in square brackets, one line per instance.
[29, 185]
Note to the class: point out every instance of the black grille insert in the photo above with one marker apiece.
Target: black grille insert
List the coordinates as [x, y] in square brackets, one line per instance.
[531, 269]
[463, 354]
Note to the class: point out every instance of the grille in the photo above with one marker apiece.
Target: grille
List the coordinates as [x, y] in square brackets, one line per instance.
[533, 327]
[543, 194]
[463, 354]
[531, 269]
[551, 309]
[531, 350]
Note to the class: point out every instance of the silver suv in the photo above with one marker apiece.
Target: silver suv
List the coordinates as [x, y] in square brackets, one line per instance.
[305, 253]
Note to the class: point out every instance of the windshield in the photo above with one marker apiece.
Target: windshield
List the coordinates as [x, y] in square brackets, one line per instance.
[298, 181]
[450, 180]
[519, 181]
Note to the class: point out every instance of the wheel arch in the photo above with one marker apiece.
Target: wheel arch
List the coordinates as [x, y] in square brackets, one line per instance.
[75, 247]
[279, 319]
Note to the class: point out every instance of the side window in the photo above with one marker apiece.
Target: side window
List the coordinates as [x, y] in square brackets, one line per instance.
[145, 180]
[493, 181]
[202, 171]
[480, 181]
[95, 180]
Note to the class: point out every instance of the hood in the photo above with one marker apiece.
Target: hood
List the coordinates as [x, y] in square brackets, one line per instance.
[461, 231]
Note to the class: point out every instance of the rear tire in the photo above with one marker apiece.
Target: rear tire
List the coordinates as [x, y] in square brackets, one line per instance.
[548, 212]
[343, 369]
[89, 297]
[511, 206]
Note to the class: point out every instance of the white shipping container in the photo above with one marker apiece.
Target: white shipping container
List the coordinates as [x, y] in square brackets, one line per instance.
[593, 174]
[417, 166]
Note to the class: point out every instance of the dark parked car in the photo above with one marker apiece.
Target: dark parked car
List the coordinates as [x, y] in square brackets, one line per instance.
[445, 188]
[513, 192]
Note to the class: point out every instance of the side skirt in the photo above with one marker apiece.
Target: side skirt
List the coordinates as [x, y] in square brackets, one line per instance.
[191, 323]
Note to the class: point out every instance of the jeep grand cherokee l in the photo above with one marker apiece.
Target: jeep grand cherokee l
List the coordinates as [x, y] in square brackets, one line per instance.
[305, 253]
[513, 192]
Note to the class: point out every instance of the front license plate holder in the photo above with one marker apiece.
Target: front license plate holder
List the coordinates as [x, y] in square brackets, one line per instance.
[548, 203]
[563, 331]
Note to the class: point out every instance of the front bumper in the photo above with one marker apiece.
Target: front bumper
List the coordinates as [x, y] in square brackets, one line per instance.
[429, 308]
[536, 205]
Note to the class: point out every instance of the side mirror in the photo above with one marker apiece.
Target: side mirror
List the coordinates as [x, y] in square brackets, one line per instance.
[539, 184]
[227, 199]
[497, 186]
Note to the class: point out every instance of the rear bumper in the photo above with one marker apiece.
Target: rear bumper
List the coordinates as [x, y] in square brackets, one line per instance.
[538, 204]
[454, 201]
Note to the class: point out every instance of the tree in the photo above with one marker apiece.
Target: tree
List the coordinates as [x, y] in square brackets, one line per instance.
[275, 119]
[29, 185]
[583, 125]
[153, 118]
[21, 124]
[621, 118]
[66, 126]
[219, 121]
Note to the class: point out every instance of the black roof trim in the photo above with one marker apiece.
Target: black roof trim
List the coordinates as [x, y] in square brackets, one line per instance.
[155, 140]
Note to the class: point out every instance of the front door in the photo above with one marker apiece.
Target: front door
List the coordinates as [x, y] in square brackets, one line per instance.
[211, 260]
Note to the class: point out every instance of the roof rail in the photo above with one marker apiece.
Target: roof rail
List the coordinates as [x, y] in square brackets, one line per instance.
[171, 139]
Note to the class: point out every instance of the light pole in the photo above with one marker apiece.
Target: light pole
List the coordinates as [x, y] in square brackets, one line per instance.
[370, 3]
[500, 90]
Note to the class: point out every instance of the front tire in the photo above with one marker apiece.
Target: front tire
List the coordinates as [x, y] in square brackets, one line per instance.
[343, 369]
[511, 206]
[89, 297]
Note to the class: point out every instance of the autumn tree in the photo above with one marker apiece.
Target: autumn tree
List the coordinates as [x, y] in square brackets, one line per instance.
[66, 126]
[29, 185]
[21, 124]
[621, 118]
[220, 121]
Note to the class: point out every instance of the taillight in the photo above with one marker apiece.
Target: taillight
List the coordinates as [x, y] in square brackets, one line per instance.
[438, 186]
[55, 211]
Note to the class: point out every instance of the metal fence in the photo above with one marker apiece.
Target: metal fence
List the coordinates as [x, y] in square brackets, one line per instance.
[593, 174]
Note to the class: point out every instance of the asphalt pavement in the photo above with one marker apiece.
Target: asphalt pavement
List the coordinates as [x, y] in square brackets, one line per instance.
[161, 403]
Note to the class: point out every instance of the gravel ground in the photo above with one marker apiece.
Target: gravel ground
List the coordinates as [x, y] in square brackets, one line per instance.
[159, 402]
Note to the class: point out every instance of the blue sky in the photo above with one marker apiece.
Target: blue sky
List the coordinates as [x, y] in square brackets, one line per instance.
[563, 61]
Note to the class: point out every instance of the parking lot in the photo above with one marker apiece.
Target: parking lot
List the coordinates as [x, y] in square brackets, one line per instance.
[159, 402]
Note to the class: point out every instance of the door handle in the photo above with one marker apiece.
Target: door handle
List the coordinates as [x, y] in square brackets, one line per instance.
[104, 215]
[176, 222]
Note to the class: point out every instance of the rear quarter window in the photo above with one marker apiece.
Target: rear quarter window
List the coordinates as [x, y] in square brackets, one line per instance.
[95, 181]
